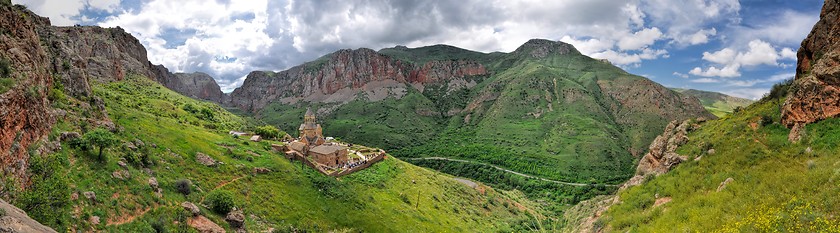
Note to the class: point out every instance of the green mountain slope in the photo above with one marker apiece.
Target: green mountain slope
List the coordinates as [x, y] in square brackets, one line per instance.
[391, 196]
[776, 185]
[544, 110]
[717, 103]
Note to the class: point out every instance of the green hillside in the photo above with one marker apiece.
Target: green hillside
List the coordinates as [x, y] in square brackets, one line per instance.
[544, 110]
[391, 196]
[777, 186]
[717, 103]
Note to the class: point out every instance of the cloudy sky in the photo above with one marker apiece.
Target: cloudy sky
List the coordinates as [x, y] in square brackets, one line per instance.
[735, 47]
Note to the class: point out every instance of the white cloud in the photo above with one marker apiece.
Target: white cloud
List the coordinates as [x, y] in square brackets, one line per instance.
[681, 75]
[701, 37]
[640, 39]
[748, 93]
[623, 58]
[705, 80]
[728, 71]
[788, 53]
[758, 53]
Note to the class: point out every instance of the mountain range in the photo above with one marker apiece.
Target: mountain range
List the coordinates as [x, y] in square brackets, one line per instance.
[97, 138]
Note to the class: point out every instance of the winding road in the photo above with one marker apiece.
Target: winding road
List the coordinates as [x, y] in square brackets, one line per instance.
[506, 170]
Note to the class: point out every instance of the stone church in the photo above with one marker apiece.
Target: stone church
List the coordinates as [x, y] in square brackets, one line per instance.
[311, 143]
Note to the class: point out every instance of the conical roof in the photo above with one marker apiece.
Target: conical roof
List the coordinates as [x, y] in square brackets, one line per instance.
[309, 112]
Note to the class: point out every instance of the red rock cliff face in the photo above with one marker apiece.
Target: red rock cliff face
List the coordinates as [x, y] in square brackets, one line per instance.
[341, 70]
[24, 109]
[816, 89]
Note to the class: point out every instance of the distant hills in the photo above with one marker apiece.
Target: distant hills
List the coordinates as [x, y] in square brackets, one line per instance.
[544, 109]
[717, 103]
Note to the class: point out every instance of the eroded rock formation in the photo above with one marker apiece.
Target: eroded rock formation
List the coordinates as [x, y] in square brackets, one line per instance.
[816, 90]
[14, 220]
[340, 76]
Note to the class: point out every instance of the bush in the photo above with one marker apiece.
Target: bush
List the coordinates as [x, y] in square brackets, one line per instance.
[220, 201]
[183, 186]
[779, 90]
[766, 120]
[269, 132]
[5, 69]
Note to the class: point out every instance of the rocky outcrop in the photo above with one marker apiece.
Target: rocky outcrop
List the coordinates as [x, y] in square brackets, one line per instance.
[14, 220]
[662, 155]
[25, 115]
[816, 89]
[541, 48]
[195, 85]
[340, 76]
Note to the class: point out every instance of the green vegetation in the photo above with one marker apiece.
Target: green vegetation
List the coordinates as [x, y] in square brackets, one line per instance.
[220, 201]
[47, 200]
[778, 185]
[717, 103]
[6, 80]
[293, 197]
[183, 186]
[269, 132]
[100, 138]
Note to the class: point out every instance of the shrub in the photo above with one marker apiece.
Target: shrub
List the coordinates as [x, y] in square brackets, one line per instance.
[220, 201]
[5, 69]
[766, 120]
[101, 138]
[269, 132]
[779, 90]
[183, 186]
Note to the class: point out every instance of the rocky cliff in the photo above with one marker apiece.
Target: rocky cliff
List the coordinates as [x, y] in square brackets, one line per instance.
[340, 76]
[816, 88]
[196, 85]
[25, 115]
[83, 54]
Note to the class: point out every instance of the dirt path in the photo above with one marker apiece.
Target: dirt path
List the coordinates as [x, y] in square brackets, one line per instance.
[225, 183]
[120, 220]
[506, 170]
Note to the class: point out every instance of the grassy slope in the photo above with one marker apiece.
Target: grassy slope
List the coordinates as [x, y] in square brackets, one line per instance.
[717, 103]
[380, 199]
[778, 185]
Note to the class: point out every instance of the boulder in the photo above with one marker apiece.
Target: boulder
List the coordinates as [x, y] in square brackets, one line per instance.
[153, 183]
[130, 146]
[724, 183]
[66, 136]
[192, 208]
[94, 220]
[204, 159]
[236, 218]
[121, 174]
[204, 225]
[122, 163]
[261, 170]
[139, 143]
[15, 220]
[90, 196]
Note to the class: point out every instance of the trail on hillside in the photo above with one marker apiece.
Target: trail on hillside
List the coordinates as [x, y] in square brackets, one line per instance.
[508, 171]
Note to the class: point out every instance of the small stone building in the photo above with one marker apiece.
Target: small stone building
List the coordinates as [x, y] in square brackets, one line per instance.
[330, 155]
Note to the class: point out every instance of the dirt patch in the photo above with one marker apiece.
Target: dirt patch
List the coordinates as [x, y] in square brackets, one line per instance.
[123, 219]
[661, 201]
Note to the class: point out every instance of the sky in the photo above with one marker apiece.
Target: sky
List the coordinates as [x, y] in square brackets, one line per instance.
[737, 47]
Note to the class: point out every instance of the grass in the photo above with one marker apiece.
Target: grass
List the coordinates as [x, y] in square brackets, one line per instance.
[778, 185]
[390, 196]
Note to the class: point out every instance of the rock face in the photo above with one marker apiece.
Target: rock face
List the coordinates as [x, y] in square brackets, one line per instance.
[816, 90]
[339, 76]
[661, 156]
[16, 221]
[24, 108]
[196, 85]
[204, 159]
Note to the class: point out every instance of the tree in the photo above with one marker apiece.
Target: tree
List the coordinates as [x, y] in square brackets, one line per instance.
[101, 138]
[269, 131]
